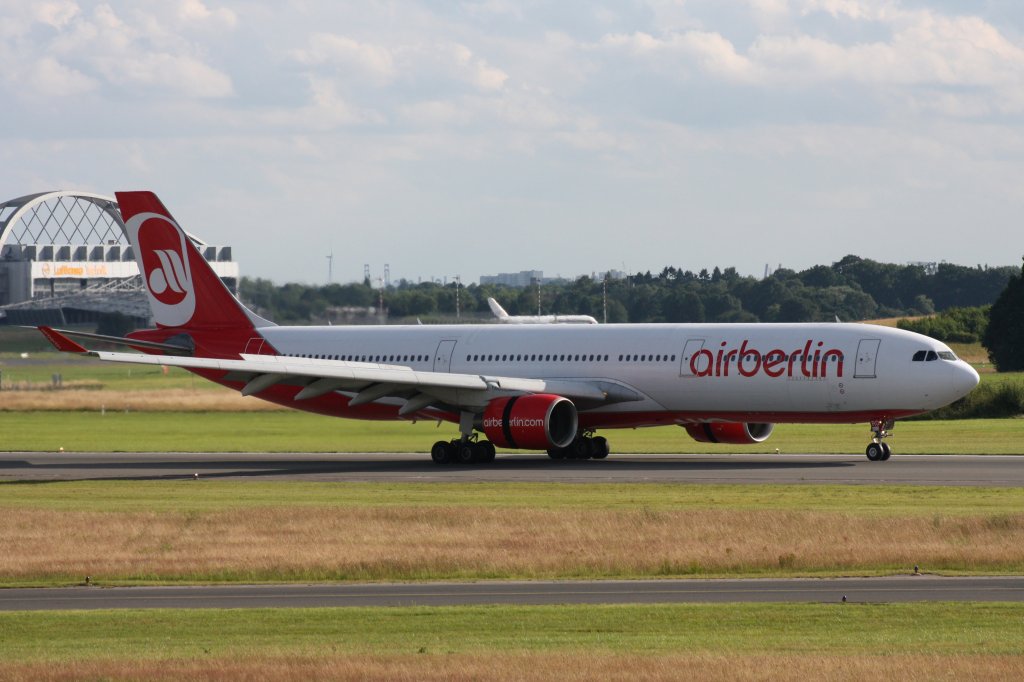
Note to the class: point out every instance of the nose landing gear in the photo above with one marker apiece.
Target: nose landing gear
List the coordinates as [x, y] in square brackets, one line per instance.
[878, 450]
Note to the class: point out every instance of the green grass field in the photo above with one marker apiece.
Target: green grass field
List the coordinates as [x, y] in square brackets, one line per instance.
[118, 431]
[933, 628]
[38, 370]
[188, 496]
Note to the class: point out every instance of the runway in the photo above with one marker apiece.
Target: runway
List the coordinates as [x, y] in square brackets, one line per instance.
[856, 590]
[982, 470]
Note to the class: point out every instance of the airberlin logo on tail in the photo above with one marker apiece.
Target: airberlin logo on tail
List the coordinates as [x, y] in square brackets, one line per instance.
[162, 254]
[168, 281]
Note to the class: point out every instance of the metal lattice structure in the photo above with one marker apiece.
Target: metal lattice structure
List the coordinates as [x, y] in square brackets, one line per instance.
[64, 218]
[49, 234]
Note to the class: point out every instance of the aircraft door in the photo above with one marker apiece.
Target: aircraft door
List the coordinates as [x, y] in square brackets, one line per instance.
[691, 348]
[443, 356]
[867, 355]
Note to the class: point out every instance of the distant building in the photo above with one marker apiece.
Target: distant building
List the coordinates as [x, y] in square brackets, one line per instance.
[610, 275]
[514, 279]
[65, 258]
[527, 278]
[930, 267]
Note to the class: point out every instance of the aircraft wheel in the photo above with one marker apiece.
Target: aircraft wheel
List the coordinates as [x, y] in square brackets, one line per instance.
[465, 453]
[886, 451]
[441, 452]
[875, 452]
[601, 447]
[581, 448]
[556, 453]
[487, 451]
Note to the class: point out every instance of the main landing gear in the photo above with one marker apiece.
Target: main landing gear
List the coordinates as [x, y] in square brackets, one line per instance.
[584, 447]
[462, 451]
[878, 450]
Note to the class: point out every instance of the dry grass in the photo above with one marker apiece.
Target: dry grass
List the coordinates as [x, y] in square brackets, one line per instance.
[567, 666]
[162, 400]
[891, 321]
[468, 542]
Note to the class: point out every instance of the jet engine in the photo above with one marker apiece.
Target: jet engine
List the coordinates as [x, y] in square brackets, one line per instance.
[530, 422]
[730, 432]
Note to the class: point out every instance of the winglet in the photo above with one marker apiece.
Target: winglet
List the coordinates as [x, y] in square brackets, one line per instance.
[61, 342]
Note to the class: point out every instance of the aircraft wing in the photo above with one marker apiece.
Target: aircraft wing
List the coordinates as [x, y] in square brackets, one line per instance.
[373, 381]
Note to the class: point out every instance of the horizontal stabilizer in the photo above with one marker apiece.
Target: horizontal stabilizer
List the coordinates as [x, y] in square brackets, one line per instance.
[59, 338]
[60, 341]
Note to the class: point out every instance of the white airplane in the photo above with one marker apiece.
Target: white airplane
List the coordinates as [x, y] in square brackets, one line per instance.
[531, 387]
[505, 318]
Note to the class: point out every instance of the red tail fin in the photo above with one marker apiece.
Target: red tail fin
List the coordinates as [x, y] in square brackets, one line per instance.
[183, 290]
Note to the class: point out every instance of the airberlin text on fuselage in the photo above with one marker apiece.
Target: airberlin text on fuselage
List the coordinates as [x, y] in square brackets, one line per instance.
[513, 422]
[811, 361]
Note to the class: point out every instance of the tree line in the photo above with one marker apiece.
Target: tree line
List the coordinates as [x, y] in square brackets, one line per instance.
[851, 289]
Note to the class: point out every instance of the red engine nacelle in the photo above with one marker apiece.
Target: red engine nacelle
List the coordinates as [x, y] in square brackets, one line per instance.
[730, 432]
[531, 422]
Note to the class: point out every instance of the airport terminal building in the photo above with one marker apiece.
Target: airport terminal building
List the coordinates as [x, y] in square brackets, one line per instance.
[65, 259]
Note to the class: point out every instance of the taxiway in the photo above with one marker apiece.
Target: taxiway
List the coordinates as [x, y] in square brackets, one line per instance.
[982, 470]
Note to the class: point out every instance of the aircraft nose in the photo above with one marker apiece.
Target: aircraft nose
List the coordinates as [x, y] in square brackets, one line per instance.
[964, 378]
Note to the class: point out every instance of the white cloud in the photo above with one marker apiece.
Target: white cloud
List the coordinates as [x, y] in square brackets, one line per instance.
[374, 61]
[383, 65]
[924, 49]
[327, 110]
[56, 14]
[90, 51]
[50, 78]
[478, 71]
[172, 74]
[196, 11]
[710, 52]
[854, 9]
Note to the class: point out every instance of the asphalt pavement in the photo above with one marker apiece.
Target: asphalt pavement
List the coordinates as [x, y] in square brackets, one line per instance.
[797, 590]
[985, 470]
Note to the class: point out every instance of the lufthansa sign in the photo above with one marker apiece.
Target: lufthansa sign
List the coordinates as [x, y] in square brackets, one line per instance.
[83, 270]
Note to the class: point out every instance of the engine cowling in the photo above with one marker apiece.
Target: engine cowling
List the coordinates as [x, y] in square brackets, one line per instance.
[531, 422]
[730, 432]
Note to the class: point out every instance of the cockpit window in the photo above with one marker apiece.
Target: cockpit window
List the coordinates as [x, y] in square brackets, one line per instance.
[919, 355]
[932, 355]
[947, 355]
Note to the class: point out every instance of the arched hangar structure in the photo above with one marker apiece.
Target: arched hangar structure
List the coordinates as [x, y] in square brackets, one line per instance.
[65, 258]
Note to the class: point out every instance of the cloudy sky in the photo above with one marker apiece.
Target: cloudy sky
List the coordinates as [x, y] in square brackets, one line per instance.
[471, 138]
